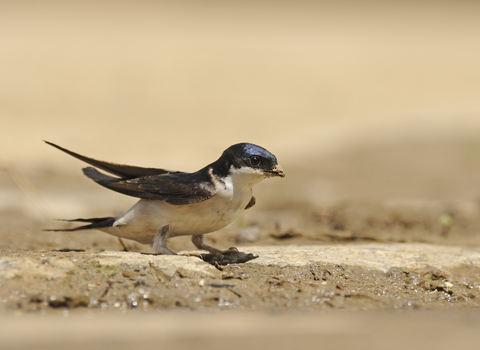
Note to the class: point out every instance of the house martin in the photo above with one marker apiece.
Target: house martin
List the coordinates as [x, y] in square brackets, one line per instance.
[175, 203]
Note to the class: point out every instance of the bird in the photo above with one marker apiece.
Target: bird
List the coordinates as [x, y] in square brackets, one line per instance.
[176, 203]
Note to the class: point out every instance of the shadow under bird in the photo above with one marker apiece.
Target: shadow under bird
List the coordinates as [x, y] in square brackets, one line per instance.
[175, 203]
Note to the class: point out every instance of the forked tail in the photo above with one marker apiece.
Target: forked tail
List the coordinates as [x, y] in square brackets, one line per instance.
[95, 223]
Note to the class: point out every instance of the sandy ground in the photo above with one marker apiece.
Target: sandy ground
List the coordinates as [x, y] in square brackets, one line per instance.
[371, 108]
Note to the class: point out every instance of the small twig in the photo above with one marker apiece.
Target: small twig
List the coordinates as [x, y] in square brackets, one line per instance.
[236, 293]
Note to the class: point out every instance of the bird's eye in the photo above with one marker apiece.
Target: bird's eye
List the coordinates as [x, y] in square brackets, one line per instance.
[255, 160]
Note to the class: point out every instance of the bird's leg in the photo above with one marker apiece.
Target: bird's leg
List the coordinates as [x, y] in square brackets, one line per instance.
[160, 242]
[198, 241]
[125, 249]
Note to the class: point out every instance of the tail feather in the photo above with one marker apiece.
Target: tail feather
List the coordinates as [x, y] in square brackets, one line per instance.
[98, 177]
[95, 223]
[124, 171]
[91, 220]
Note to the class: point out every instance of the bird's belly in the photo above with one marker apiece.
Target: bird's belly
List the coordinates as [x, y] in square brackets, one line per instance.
[143, 221]
[204, 217]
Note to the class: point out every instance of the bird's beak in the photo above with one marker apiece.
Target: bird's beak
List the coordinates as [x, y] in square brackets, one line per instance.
[277, 171]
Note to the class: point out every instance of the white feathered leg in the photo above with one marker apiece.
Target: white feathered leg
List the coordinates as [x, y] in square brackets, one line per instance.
[160, 242]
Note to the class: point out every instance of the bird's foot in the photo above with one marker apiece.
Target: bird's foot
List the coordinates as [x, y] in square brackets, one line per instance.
[231, 250]
[197, 255]
[228, 256]
[220, 257]
[219, 254]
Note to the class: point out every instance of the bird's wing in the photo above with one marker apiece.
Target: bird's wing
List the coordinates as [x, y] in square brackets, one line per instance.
[178, 188]
[251, 203]
[124, 171]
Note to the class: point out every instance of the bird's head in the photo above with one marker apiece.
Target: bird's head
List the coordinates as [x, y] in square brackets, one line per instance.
[253, 159]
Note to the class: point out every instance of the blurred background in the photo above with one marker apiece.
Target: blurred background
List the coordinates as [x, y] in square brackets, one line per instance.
[359, 100]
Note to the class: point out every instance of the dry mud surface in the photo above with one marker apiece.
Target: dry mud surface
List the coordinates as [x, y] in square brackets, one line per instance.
[281, 279]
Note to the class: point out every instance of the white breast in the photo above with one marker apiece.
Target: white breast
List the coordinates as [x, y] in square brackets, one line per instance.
[146, 217]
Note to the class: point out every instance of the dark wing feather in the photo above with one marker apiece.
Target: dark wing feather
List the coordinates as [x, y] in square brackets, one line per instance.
[251, 203]
[124, 171]
[178, 188]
